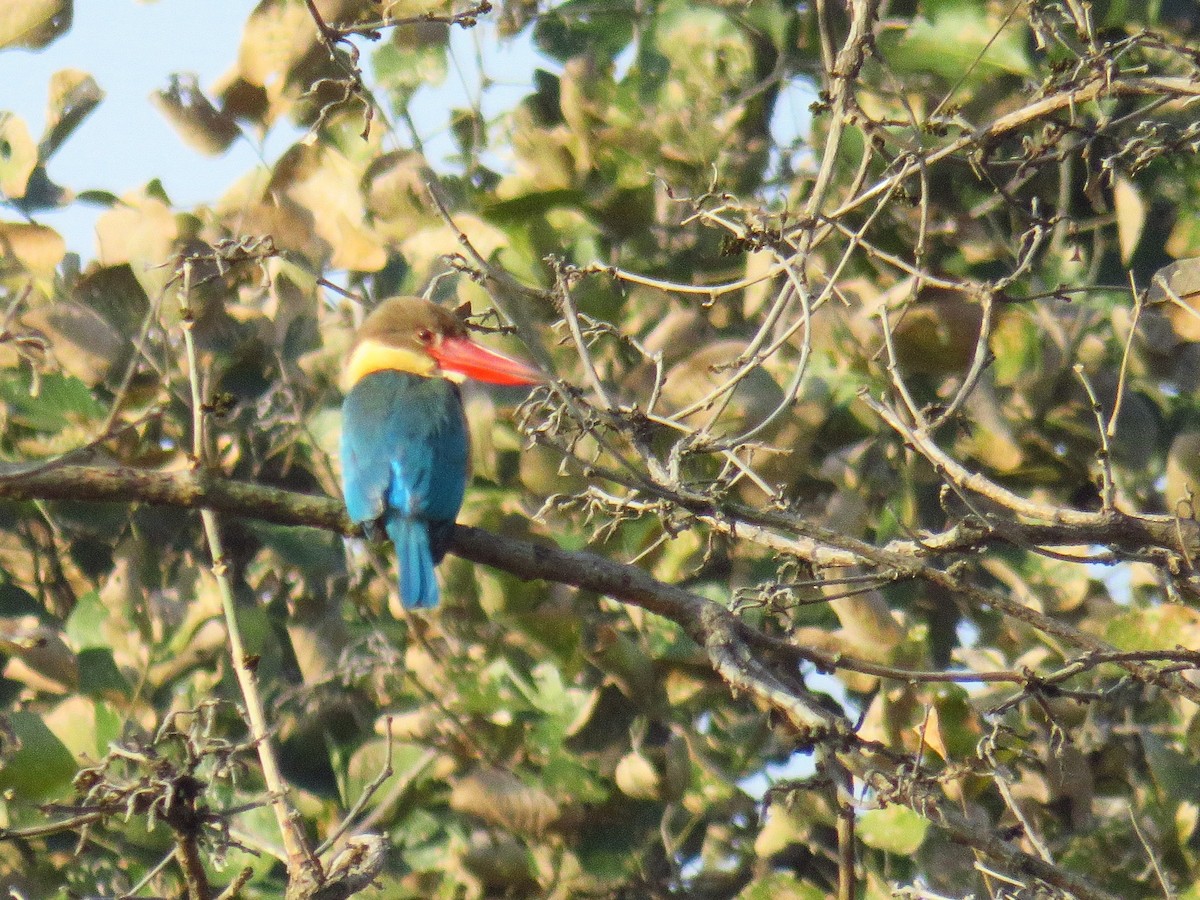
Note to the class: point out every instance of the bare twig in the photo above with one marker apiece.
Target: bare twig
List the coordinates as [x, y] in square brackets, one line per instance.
[300, 857]
[1108, 489]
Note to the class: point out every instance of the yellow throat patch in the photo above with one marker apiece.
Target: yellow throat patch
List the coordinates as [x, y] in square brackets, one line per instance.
[372, 356]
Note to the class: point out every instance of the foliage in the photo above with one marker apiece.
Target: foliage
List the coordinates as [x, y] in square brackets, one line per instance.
[901, 392]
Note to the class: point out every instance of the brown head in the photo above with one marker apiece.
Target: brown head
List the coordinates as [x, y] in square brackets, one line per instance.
[408, 334]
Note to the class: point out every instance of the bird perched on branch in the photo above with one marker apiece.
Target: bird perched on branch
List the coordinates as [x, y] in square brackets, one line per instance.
[405, 445]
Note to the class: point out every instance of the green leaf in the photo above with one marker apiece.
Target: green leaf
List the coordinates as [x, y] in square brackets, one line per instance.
[1154, 628]
[774, 19]
[60, 401]
[609, 853]
[957, 40]
[580, 26]
[85, 726]
[538, 203]
[894, 829]
[99, 675]
[312, 550]
[98, 198]
[564, 775]
[85, 625]
[42, 193]
[41, 766]
[957, 726]
[703, 45]
[1017, 346]
[409, 761]
[259, 822]
[15, 601]
[780, 886]
[561, 705]
[1175, 774]
[402, 71]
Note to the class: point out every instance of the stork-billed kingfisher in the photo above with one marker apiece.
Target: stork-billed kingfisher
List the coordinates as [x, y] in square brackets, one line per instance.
[405, 445]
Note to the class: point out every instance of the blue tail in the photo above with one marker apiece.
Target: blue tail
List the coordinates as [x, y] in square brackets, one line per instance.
[418, 584]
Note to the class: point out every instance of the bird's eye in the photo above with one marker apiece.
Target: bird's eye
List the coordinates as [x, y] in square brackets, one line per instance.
[425, 336]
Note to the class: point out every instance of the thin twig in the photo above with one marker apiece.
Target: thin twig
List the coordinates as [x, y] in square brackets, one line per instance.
[364, 798]
[298, 852]
[1108, 489]
[1164, 883]
[1139, 302]
[149, 876]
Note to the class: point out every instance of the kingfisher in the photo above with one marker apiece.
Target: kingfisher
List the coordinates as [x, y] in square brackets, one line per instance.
[405, 445]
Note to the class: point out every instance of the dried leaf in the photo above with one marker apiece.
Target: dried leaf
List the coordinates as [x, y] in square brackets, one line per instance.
[326, 183]
[937, 335]
[709, 368]
[84, 344]
[202, 126]
[501, 798]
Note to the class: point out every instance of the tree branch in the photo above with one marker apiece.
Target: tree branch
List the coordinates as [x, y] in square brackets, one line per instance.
[724, 637]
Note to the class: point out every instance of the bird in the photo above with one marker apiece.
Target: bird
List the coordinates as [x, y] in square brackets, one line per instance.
[405, 446]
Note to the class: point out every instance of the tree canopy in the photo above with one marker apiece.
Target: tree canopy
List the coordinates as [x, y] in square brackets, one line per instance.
[849, 551]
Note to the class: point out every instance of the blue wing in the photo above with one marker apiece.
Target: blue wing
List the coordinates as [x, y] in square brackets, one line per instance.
[404, 448]
[405, 452]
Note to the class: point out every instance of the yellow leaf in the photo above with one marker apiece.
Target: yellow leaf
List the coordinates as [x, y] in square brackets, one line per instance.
[355, 247]
[395, 188]
[425, 247]
[35, 248]
[932, 734]
[277, 35]
[636, 777]
[73, 95]
[33, 23]
[18, 156]
[73, 722]
[326, 184]
[39, 657]
[1131, 216]
[140, 231]
[1177, 287]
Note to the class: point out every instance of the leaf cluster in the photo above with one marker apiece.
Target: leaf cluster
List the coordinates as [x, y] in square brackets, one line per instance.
[891, 398]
